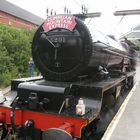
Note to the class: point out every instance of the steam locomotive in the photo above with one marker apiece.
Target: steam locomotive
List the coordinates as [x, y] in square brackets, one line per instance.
[83, 71]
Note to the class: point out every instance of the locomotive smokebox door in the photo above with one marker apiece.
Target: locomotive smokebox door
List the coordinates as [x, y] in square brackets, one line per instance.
[62, 51]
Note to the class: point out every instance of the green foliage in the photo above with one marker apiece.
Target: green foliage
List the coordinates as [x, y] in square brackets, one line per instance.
[15, 51]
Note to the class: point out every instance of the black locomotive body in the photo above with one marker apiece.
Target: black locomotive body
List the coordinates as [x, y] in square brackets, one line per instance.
[62, 55]
[83, 71]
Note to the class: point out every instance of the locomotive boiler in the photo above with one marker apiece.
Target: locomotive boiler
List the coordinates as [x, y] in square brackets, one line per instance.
[84, 71]
[64, 47]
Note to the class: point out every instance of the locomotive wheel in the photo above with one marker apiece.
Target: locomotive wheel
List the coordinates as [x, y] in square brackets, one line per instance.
[108, 101]
[130, 82]
[88, 132]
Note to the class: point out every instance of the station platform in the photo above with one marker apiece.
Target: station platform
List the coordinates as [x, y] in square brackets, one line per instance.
[126, 123]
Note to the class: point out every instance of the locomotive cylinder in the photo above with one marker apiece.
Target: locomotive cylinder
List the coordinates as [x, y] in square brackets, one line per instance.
[63, 132]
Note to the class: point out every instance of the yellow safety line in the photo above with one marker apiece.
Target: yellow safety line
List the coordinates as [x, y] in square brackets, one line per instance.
[117, 117]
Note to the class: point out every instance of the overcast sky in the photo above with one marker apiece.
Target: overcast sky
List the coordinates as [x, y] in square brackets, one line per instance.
[107, 22]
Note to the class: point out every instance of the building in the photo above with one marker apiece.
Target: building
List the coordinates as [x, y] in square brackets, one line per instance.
[15, 16]
[134, 33]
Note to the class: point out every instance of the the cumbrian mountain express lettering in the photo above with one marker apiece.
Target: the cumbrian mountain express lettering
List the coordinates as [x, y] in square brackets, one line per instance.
[66, 22]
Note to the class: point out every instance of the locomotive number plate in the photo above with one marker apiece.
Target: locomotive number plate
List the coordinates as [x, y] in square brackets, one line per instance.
[58, 39]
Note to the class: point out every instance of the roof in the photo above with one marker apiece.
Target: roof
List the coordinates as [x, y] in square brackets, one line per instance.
[133, 34]
[137, 28]
[16, 11]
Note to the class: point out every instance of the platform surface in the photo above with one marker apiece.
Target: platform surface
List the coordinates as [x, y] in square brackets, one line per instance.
[126, 123]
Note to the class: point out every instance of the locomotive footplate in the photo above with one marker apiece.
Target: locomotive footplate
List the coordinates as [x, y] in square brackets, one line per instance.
[62, 97]
[59, 98]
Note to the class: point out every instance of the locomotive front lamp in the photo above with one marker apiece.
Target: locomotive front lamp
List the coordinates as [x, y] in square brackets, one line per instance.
[80, 107]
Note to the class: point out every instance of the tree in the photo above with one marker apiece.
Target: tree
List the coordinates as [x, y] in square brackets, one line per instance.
[15, 51]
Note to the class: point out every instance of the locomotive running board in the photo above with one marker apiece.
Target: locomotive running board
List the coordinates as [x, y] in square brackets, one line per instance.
[97, 90]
